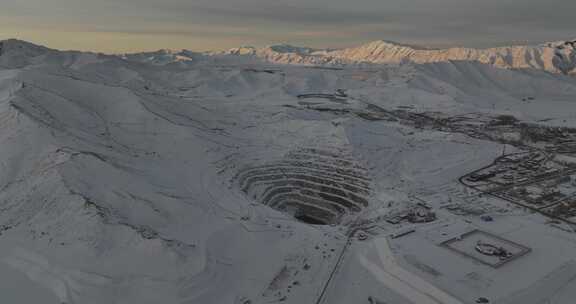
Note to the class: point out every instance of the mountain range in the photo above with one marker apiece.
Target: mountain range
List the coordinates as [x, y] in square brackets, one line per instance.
[556, 57]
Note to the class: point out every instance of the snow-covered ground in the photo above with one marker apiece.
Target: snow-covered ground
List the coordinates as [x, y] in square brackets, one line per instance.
[143, 179]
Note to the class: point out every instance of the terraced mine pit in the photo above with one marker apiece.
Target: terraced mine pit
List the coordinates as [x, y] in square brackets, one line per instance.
[318, 187]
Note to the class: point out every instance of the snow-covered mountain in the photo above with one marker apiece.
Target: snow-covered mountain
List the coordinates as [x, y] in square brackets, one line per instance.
[238, 178]
[556, 57]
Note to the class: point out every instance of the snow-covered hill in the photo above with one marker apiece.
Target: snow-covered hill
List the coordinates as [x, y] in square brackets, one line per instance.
[176, 177]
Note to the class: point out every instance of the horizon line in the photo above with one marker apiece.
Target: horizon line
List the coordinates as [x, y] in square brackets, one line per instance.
[408, 45]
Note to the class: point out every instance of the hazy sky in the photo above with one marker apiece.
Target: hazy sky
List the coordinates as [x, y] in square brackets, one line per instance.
[130, 25]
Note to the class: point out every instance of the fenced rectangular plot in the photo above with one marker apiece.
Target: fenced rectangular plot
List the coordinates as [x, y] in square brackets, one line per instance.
[471, 245]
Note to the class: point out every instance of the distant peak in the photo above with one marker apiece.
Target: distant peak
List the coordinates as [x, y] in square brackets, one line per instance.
[14, 41]
[167, 52]
[21, 48]
[19, 44]
[287, 48]
[392, 44]
[243, 50]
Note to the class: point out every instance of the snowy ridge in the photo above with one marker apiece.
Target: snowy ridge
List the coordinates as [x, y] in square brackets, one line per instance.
[553, 57]
[16, 53]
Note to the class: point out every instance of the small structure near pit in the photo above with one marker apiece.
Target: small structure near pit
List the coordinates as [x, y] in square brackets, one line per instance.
[421, 215]
[486, 248]
[493, 250]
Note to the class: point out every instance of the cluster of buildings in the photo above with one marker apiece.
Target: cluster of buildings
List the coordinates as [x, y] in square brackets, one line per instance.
[416, 214]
